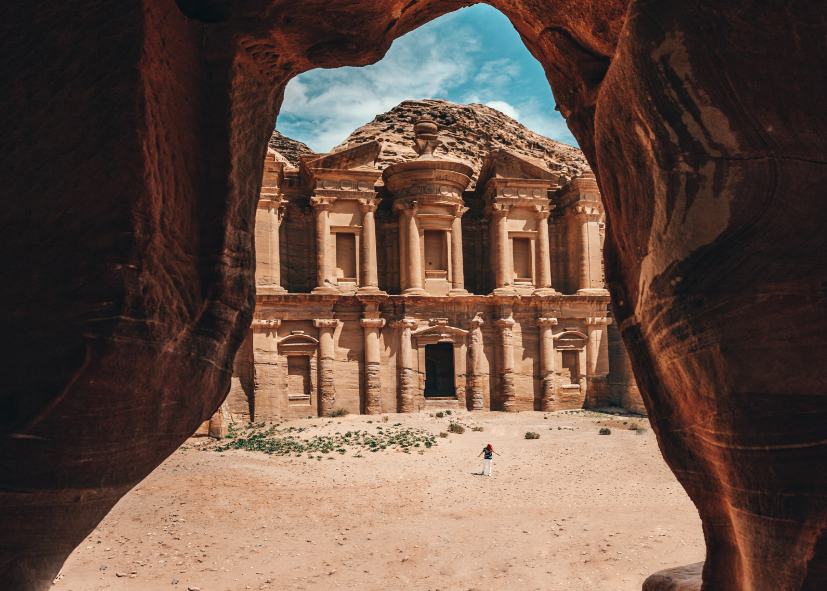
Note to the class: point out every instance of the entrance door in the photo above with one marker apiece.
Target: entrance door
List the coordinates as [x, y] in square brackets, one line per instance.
[439, 371]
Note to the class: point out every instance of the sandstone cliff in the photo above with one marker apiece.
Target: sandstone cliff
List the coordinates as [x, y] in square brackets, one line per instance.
[287, 149]
[468, 133]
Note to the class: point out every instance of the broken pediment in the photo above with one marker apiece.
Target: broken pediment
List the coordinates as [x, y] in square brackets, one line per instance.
[502, 164]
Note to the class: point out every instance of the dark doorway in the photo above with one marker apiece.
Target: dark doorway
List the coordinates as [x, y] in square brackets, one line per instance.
[439, 370]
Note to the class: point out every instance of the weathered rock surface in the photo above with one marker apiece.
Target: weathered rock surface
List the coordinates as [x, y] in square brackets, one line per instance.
[132, 151]
[468, 133]
[287, 149]
[681, 578]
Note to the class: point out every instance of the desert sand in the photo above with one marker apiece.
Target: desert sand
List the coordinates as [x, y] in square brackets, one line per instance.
[571, 510]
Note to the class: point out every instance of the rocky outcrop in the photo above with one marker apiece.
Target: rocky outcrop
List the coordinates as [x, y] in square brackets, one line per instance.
[682, 578]
[468, 133]
[288, 149]
[132, 152]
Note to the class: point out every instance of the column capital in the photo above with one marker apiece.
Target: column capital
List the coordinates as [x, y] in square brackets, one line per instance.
[321, 203]
[409, 209]
[367, 205]
[266, 323]
[591, 212]
[546, 321]
[498, 210]
[540, 212]
[472, 323]
[598, 320]
[504, 323]
[459, 210]
[325, 322]
[403, 323]
[372, 322]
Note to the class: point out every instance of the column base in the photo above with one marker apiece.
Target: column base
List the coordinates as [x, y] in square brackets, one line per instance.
[458, 291]
[592, 292]
[270, 290]
[369, 290]
[505, 291]
[546, 292]
[326, 290]
[415, 291]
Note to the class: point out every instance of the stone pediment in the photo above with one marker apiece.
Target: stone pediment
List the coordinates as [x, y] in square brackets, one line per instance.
[441, 333]
[359, 157]
[501, 164]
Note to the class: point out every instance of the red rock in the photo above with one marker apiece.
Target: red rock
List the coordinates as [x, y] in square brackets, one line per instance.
[133, 139]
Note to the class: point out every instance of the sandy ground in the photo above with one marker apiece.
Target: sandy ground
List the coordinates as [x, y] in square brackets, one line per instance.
[569, 511]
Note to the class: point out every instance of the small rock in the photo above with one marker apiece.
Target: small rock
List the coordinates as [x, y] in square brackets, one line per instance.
[174, 581]
[103, 567]
[121, 575]
[193, 588]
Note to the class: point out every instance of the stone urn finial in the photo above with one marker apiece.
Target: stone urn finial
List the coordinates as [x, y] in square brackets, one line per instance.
[427, 140]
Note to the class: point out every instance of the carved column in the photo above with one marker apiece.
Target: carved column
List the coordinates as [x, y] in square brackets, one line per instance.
[414, 253]
[457, 271]
[596, 363]
[543, 254]
[370, 276]
[501, 252]
[547, 363]
[475, 374]
[321, 209]
[266, 374]
[373, 386]
[274, 215]
[407, 386]
[590, 255]
[327, 350]
[508, 395]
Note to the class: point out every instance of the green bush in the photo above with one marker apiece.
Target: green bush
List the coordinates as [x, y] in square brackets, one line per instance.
[338, 412]
[456, 428]
[440, 414]
[443, 435]
[532, 435]
[447, 412]
[605, 431]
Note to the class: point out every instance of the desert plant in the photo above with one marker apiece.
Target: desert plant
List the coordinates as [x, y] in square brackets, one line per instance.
[640, 430]
[443, 435]
[532, 435]
[384, 418]
[633, 427]
[605, 431]
[456, 428]
[440, 414]
[478, 428]
[447, 412]
[338, 412]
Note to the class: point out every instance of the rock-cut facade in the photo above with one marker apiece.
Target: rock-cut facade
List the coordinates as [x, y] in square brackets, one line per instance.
[402, 290]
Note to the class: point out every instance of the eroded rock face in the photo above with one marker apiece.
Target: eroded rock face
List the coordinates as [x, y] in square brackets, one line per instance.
[468, 133]
[131, 159]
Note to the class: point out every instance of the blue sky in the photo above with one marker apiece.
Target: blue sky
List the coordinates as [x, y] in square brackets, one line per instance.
[473, 55]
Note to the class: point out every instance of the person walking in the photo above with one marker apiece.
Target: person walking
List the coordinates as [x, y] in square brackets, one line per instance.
[488, 460]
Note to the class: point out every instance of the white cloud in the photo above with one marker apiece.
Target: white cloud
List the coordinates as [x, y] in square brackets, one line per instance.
[323, 107]
[505, 108]
[498, 74]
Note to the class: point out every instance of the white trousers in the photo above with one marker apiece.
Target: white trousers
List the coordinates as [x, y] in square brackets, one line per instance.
[487, 464]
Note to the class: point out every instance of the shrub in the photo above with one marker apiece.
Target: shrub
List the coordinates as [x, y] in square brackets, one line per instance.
[605, 431]
[456, 428]
[633, 427]
[443, 435]
[440, 414]
[339, 412]
[447, 412]
[532, 435]
[384, 418]
[640, 430]
[478, 428]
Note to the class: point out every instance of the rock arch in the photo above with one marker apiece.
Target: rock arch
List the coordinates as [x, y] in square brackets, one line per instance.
[131, 154]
